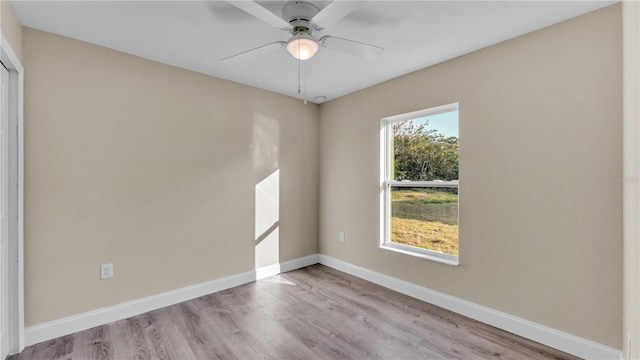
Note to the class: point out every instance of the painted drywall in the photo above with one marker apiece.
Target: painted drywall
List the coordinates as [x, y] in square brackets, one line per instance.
[11, 28]
[540, 176]
[631, 127]
[168, 174]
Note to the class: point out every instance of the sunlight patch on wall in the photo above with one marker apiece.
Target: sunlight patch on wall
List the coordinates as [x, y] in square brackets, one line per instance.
[268, 220]
[266, 143]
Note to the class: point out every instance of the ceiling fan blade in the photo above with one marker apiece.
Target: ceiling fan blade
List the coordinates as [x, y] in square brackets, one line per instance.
[355, 48]
[253, 8]
[261, 50]
[225, 12]
[336, 10]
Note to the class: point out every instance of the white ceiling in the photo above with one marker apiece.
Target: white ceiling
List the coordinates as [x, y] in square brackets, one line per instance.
[195, 35]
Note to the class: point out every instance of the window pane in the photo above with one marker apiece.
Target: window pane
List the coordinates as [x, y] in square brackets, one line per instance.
[425, 218]
[425, 149]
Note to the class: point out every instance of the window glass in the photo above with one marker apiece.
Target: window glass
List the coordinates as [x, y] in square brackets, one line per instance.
[421, 182]
[425, 217]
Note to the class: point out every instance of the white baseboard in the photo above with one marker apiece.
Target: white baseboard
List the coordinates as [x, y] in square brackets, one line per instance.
[545, 335]
[290, 265]
[53, 329]
[556, 339]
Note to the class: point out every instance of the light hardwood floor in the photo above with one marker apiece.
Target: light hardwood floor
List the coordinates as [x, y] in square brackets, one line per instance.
[311, 313]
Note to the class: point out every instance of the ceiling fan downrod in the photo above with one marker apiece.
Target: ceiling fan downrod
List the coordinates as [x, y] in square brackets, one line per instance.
[299, 14]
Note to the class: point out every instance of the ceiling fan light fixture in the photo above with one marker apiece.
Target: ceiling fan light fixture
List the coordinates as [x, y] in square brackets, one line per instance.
[302, 46]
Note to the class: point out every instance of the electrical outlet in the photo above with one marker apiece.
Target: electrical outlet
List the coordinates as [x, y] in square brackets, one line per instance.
[342, 236]
[106, 271]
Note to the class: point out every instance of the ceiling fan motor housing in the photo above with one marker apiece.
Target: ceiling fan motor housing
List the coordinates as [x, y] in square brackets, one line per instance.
[299, 15]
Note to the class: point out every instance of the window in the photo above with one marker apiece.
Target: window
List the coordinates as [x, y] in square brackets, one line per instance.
[420, 183]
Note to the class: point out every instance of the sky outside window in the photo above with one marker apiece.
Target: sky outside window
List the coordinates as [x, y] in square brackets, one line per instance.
[445, 123]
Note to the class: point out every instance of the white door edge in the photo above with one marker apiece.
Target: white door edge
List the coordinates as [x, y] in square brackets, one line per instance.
[16, 195]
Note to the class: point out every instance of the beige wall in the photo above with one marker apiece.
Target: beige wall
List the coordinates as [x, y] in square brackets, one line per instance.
[153, 168]
[11, 28]
[631, 71]
[541, 166]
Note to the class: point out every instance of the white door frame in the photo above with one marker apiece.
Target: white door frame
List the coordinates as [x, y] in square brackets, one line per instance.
[16, 197]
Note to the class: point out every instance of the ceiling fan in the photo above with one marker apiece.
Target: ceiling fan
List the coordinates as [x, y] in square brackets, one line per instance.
[302, 19]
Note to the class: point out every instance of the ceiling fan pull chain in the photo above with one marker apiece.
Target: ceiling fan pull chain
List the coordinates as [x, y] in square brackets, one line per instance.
[298, 76]
[299, 63]
[306, 71]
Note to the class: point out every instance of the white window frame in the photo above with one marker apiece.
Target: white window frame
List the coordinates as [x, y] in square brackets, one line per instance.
[386, 184]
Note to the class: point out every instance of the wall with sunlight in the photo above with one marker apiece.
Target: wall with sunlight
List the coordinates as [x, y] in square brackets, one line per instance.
[175, 177]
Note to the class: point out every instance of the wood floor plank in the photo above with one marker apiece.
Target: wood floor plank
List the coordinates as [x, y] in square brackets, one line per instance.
[311, 313]
[175, 343]
[155, 333]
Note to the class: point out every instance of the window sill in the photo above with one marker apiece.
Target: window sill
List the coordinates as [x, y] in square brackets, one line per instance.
[423, 254]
